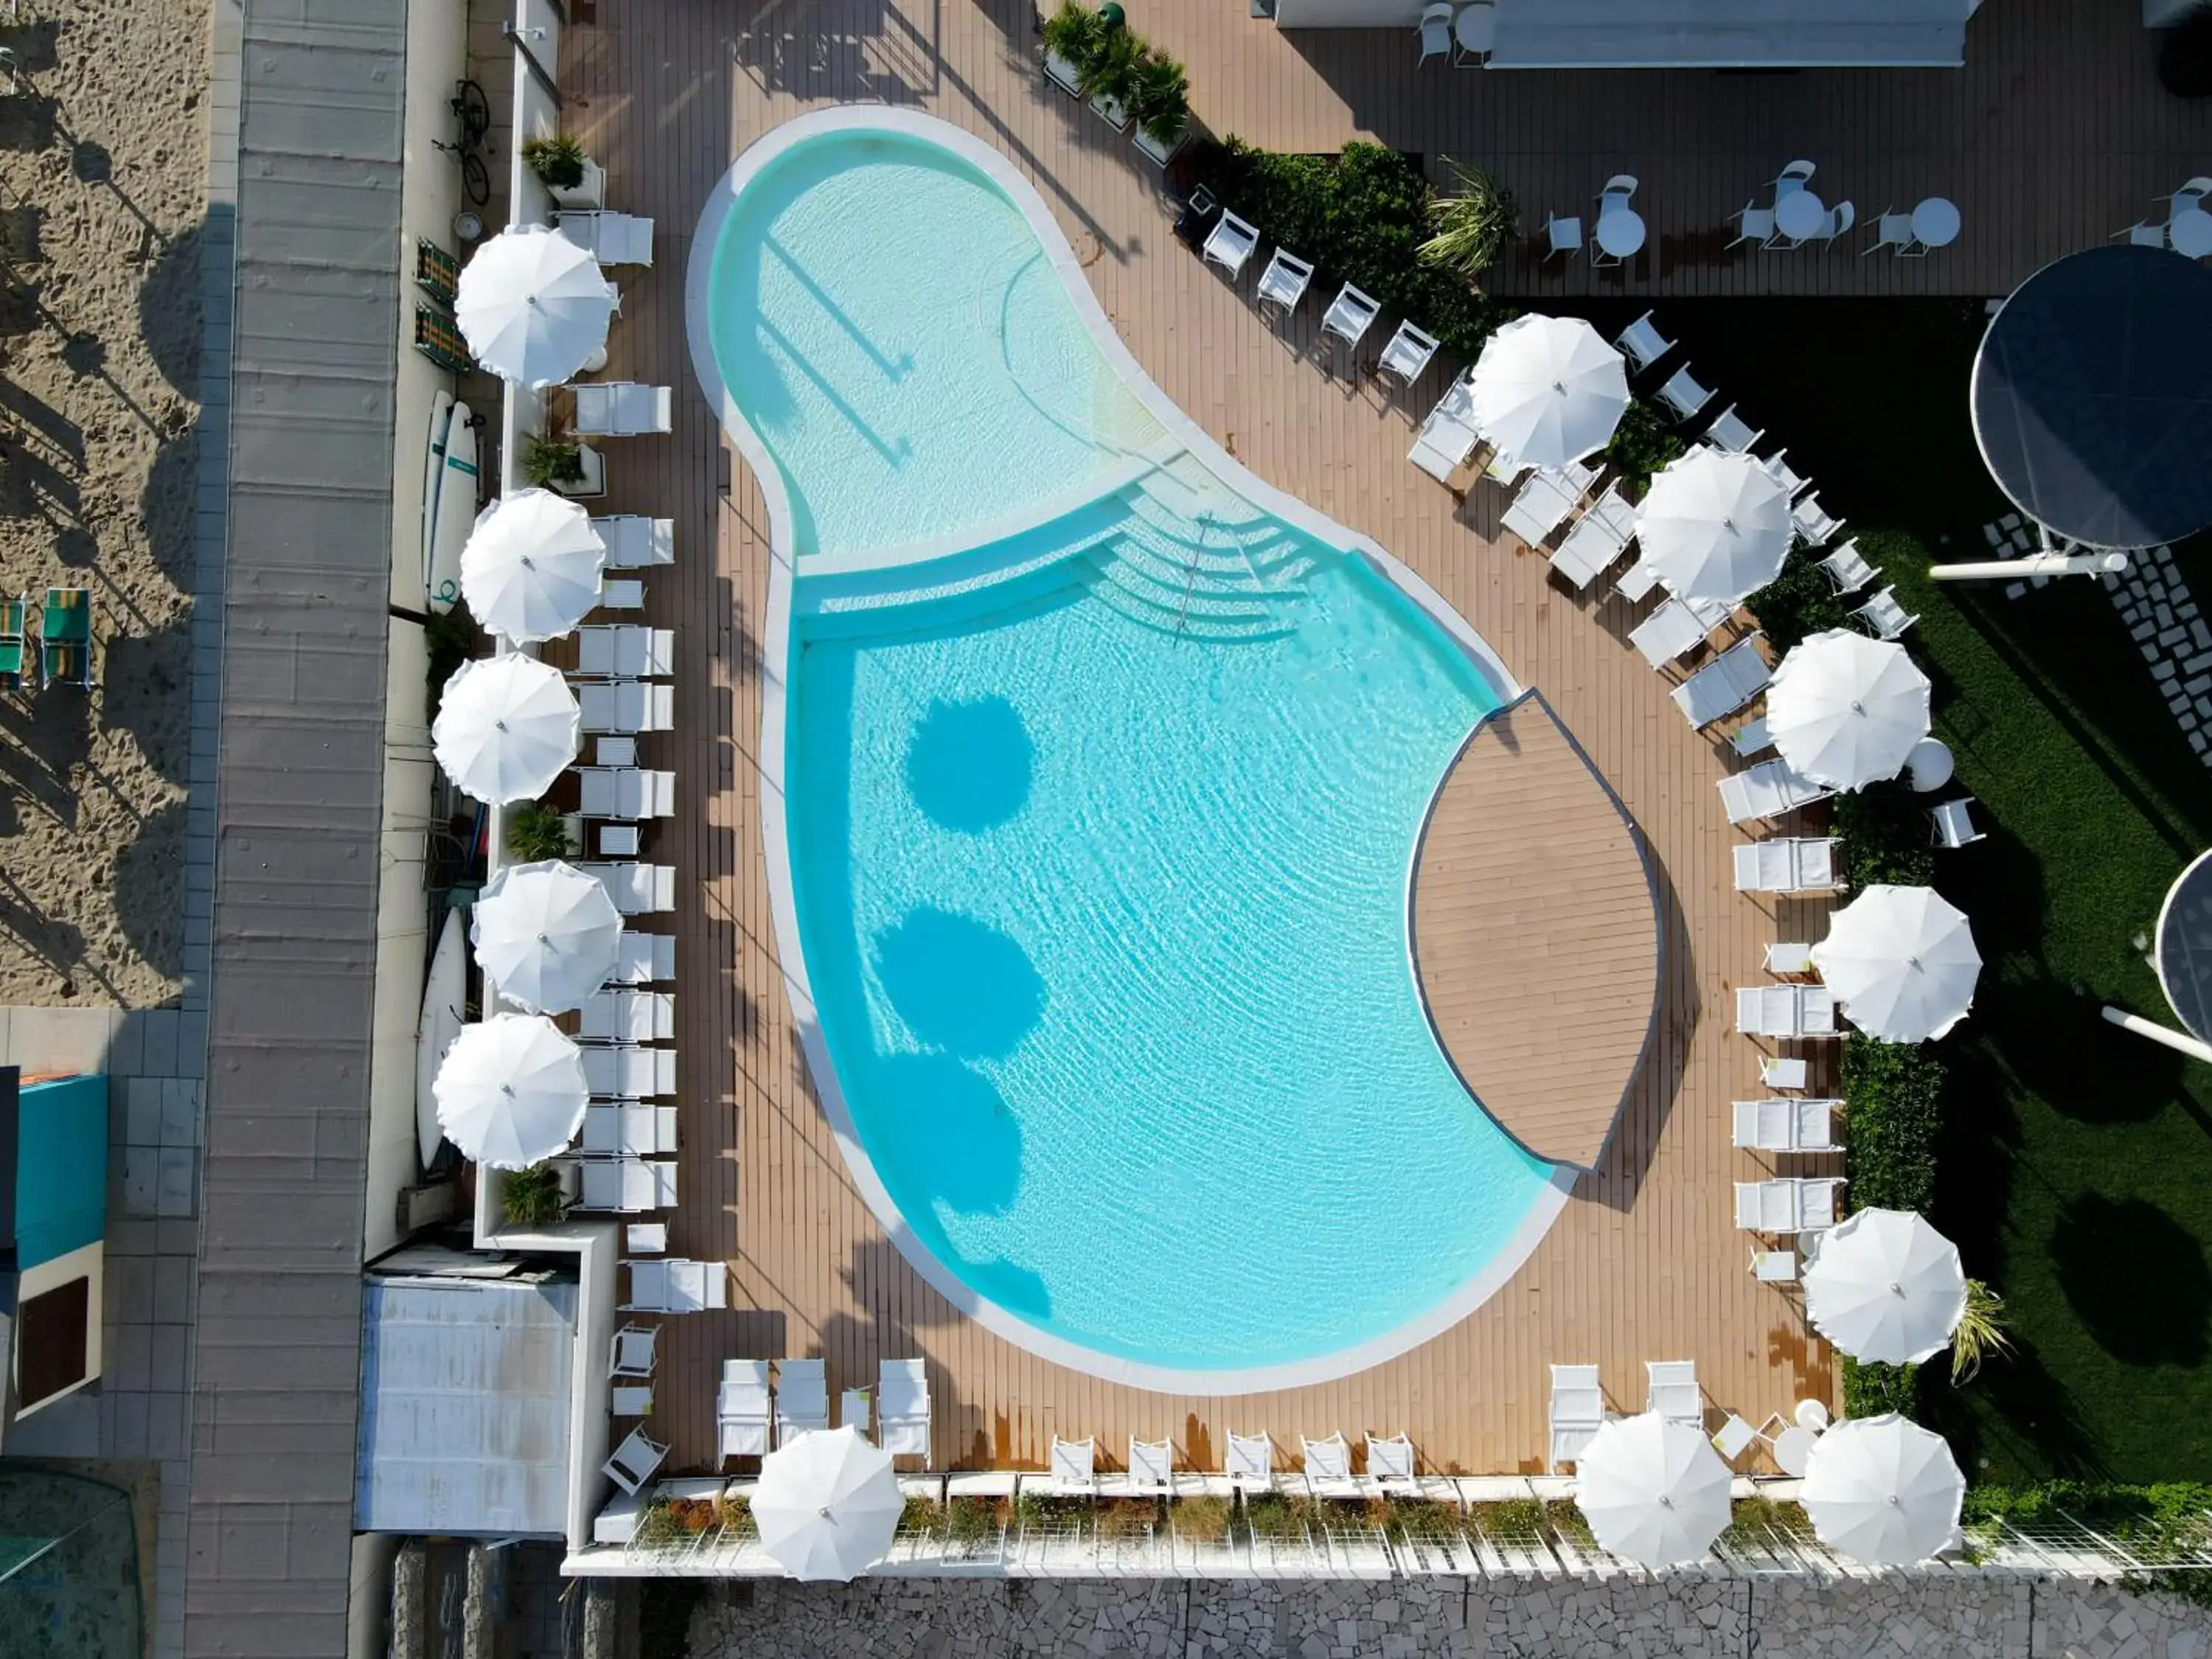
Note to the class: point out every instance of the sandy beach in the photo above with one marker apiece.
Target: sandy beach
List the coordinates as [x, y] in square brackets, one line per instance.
[103, 163]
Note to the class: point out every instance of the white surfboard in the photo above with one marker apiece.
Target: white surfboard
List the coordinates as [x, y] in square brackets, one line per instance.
[457, 511]
[443, 995]
[434, 474]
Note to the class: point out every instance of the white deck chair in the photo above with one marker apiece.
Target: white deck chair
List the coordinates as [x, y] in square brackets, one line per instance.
[629, 1186]
[1783, 473]
[1767, 791]
[1598, 539]
[625, 651]
[743, 1409]
[1408, 353]
[1793, 178]
[1390, 1461]
[1785, 1125]
[633, 1460]
[1542, 504]
[638, 890]
[646, 958]
[628, 1016]
[1676, 628]
[1563, 233]
[1671, 1390]
[1151, 1468]
[1285, 281]
[1814, 523]
[612, 238]
[903, 1407]
[1785, 1011]
[1434, 31]
[1725, 685]
[1448, 437]
[1754, 223]
[1788, 864]
[1074, 1466]
[627, 707]
[1577, 1411]
[626, 791]
[1955, 824]
[1841, 217]
[1328, 1467]
[802, 1398]
[1638, 582]
[1891, 230]
[1731, 433]
[1250, 1465]
[677, 1286]
[1884, 617]
[1683, 394]
[630, 1073]
[1786, 1205]
[1230, 244]
[1350, 315]
[619, 1130]
[1642, 342]
[623, 408]
[1847, 570]
[635, 542]
[636, 1350]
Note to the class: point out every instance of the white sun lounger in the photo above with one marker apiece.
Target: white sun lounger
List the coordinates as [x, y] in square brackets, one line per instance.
[1151, 1469]
[623, 408]
[635, 542]
[1250, 1465]
[629, 1131]
[629, 1186]
[1884, 617]
[1448, 437]
[627, 791]
[1408, 353]
[1786, 1206]
[903, 1407]
[633, 1460]
[1670, 1389]
[625, 651]
[627, 706]
[1232, 243]
[1729, 432]
[676, 1286]
[1785, 1125]
[1328, 1467]
[612, 238]
[630, 1073]
[647, 958]
[1075, 1465]
[1599, 537]
[1785, 1011]
[1285, 281]
[1767, 791]
[1683, 394]
[1725, 685]
[639, 890]
[743, 1409]
[1677, 628]
[1350, 315]
[1788, 864]
[1390, 1462]
[628, 1016]
[802, 1398]
[1542, 503]
[1577, 1411]
[1642, 342]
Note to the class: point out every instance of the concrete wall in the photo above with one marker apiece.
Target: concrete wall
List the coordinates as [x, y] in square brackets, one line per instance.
[368, 1604]
[1348, 14]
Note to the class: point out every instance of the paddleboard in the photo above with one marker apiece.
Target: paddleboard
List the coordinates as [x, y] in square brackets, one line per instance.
[443, 995]
[434, 474]
[457, 511]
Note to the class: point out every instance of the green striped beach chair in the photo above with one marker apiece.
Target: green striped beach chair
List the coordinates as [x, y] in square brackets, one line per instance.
[66, 637]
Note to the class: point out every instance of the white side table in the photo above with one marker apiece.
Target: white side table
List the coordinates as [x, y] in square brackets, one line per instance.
[1801, 214]
[1935, 222]
[2189, 233]
[1793, 1449]
[1619, 231]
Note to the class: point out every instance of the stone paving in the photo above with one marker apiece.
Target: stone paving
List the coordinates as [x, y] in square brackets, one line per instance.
[1936, 1616]
[2162, 618]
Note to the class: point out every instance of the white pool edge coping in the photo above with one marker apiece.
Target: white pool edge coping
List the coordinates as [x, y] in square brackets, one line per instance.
[1515, 1250]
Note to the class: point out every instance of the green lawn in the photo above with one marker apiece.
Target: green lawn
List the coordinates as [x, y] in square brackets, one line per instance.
[2077, 1167]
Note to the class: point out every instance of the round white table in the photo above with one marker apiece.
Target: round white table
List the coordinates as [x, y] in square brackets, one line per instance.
[1801, 214]
[2190, 233]
[1811, 1414]
[1620, 231]
[1793, 1449]
[1935, 222]
[1928, 764]
[1475, 29]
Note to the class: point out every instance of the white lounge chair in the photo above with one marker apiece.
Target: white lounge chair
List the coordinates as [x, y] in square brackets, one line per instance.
[1350, 315]
[1789, 1204]
[1813, 523]
[646, 957]
[676, 1286]
[1598, 539]
[1390, 1463]
[635, 542]
[638, 890]
[1785, 1011]
[628, 1186]
[1642, 342]
[743, 1409]
[623, 408]
[1778, 467]
[627, 706]
[626, 791]
[630, 1073]
[1408, 353]
[620, 1131]
[1577, 1411]
[633, 1460]
[1677, 628]
[1788, 864]
[1638, 582]
[1285, 281]
[636, 1350]
[625, 651]
[1074, 1466]
[1448, 437]
[1767, 791]
[1250, 1465]
[1725, 685]
[1230, 243]
[1151, 1468]
[1847, 572]
[1671, 1390]
[1328, 1467]
[1785, 1125]
[1730, 433]
[802, 1398]
[903, 1408]
[1884, 617]
[612, 238]
[1542, 503]
[1954, 823]
[1683, 394]
[628, 1016]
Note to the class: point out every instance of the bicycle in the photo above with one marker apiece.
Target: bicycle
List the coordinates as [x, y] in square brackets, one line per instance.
[475, 180]
[473, 110]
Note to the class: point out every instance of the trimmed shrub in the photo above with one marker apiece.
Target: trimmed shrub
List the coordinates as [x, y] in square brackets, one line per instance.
[533, 1197]
[1871, 1389]
[1894, 1102]
[1885, 837]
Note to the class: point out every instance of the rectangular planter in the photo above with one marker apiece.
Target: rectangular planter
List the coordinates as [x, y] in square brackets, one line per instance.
[591, 193]
[1153, 153]
[1111, 111]
[1061, 73]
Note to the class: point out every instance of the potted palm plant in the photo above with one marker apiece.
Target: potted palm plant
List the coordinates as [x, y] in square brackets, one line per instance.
[1072, 36]
[1159, 97]
[1473, 227]
[572, 178]
[1110, 75]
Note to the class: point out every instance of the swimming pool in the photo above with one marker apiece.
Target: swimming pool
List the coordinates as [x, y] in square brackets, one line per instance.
[1102, 768]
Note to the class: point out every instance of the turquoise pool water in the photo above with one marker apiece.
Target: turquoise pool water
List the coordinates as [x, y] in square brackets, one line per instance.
[1100, 867]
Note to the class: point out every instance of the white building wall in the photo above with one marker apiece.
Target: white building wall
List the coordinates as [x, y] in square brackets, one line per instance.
[1347, 13]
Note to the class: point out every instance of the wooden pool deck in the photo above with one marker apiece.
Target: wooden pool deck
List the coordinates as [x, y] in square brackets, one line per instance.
[1644, 1264]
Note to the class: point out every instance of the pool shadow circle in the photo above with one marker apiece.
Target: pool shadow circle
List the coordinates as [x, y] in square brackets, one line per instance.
[960, 987]
[969, 764]
[946, 1118]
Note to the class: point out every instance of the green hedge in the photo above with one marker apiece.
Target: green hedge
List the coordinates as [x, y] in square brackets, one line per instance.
[1799, 601]
[1886, 837]
[1871, 1388]
[1894, 1105]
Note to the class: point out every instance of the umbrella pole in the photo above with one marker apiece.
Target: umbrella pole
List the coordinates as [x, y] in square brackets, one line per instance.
[2157, 1033]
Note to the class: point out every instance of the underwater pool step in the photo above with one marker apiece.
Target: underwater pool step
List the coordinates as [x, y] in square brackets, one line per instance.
[1198, 623]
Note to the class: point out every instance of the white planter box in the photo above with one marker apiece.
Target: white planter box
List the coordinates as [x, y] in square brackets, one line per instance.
[1061, 73]
[1154, 153]
[1112, 111]
[594, 481]
[592, 192]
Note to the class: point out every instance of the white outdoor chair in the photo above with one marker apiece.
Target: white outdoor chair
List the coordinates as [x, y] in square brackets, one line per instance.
[1683, 394]
[2142, 234]
[1847, 571]
[1883, 617]
[1892, 230]
[676, 1286]
[1250, 1465]
[1841, 218]
[1676, 628]
[1434, 31]
[1786, 1205]
[1328, 1467]
[1638, 582]
[1785, 957]
[1448, 437]
[1541, 506]
[1285, 281]
[1599, 537]
[743, 1409]
[1725, 685]
[903, 1407]
[1777, 467]
[646, 957]
[633, 1460]
[802, 1398]
[1784, 1126]
[1767, 791]
[627, 706]
[639, 890]
[1074, 1466]
[1577, 1411]
[1642, 342]
[1230, 244]
[1753, 736]
[1390, 1463]
[622, 1131]
[629, 1186]
[635, 542]
[1409, 352]
[623, 408]
[1151, 1468]
[1793, 178]
[1814, 524]
[1350, 315]
[628, 1016]
[1729, 432]
[1563, 233]
[1800, 1011]
[1776, 1072]
[2191, 195]
[1754, 223]
[1616, 192]
[637, 1349]
[624, 650]
[612, 238]
[1671, 1390]
[630, 1073]
[1955, 824]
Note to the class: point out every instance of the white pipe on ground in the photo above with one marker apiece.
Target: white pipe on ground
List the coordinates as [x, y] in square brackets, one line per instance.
[2035, 564]
[2157, 1033]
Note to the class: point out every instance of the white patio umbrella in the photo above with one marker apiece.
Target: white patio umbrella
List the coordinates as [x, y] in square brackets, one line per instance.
[1885, 1286]
[546, 934]
[827, 1505]
[1846, 710]
[1902, 962]
[531, 566]
[1654, 1492]
[1883, 1491]
[510, 1091]
[1714, 526]
[506, 727]
[1549, 390]
[533, 306]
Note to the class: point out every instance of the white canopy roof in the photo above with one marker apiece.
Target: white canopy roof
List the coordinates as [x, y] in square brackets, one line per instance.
[1654, 1492]
[1883, 1491]
[546, 934]
[1714, 526]
[531, 566]
[511, 1091]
